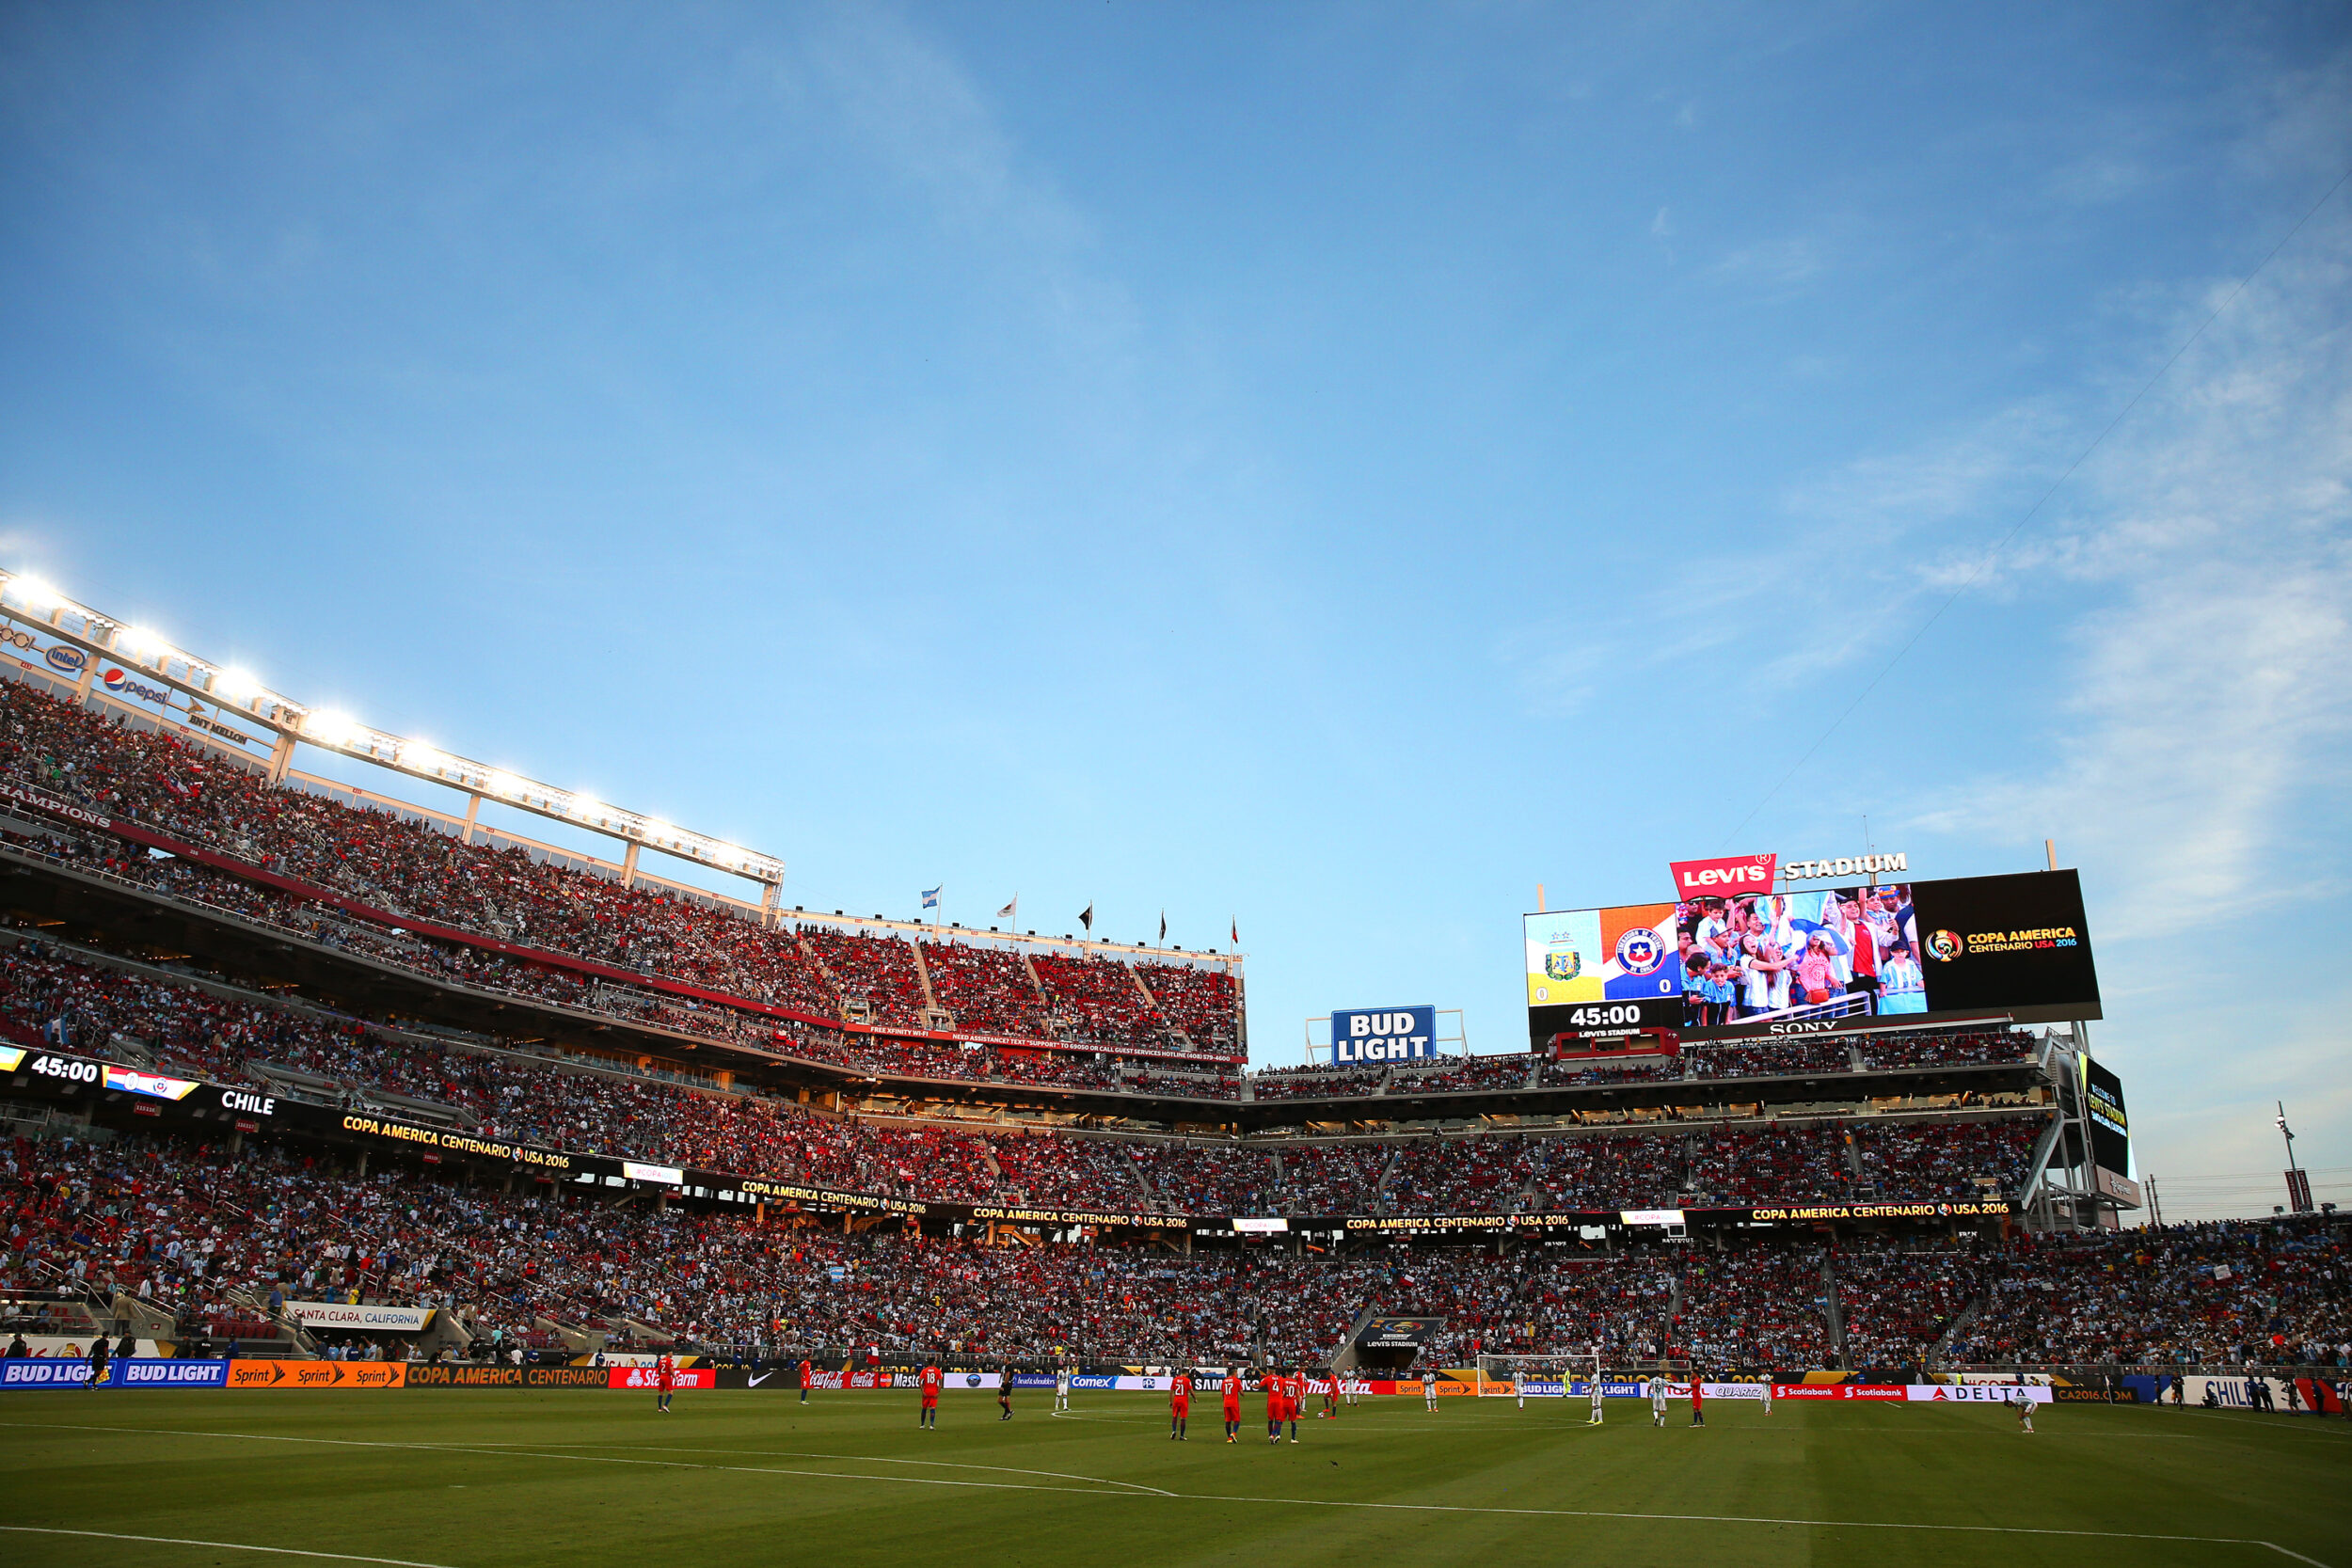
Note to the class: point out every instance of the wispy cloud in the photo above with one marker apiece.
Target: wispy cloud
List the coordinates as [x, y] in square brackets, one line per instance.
[2207, 693]
[922, 116]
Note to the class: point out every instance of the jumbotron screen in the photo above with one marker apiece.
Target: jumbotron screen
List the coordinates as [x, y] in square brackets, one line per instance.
[1826, 958]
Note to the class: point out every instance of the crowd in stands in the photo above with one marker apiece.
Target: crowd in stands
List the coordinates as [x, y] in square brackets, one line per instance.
[1573, 1073]
[1318, 1078]
[1509, 1070]
[1755, 1164]
[1896, 1303]
[1610, 1172]
[1332, 1178]
[987, 989]
[1904, 1159]
[1200, 1003]
[407, 866]
[48, 996]
[1888, 1051]
[2224, 1291]
[1098, 1001]
[1765, 1058]
[1482, 1174]
[1067, 1172]
[1753, 1307]
[875, 971]
[217, 1239]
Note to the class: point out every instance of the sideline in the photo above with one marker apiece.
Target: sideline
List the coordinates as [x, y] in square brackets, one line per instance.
[214, 1546]
[1101, 1491]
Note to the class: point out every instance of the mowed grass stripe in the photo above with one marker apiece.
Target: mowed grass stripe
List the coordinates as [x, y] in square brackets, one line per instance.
[488, 1479]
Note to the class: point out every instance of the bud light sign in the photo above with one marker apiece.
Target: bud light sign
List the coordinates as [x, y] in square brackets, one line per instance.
[1387, 1034]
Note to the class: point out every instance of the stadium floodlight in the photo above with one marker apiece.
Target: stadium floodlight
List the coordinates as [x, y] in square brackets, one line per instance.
[330, 728]
[37, 605]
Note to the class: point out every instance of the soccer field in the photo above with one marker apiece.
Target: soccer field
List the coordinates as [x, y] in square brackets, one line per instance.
[482, 1480]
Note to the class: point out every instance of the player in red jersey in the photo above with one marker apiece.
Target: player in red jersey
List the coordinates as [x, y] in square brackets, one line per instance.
[1179, 1405]
[1272, 1383]
[664, 1376]
[930, 1380]
[1698, 1399]
[807, 1375]
[1293, 1396]
[1232, 1404]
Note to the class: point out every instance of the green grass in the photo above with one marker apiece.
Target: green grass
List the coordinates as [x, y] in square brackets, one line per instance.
[464, 1479]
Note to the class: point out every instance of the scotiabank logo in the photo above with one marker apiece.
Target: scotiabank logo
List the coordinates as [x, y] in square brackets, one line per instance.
[1741, 873]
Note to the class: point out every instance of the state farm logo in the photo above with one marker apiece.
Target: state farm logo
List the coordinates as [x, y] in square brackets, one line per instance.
[1738, 874]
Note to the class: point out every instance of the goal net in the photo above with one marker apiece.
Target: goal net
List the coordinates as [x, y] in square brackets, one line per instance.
[1534, 1376]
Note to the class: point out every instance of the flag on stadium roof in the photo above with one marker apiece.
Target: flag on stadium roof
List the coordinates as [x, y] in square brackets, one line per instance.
[1163, 925]
[931, 895]
[1011, 910]
[1085, 917]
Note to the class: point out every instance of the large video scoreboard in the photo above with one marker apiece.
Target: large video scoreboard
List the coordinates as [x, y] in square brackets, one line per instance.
[1724, 965]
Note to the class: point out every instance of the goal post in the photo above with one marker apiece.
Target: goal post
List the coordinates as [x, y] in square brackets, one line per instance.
[1534, 1376]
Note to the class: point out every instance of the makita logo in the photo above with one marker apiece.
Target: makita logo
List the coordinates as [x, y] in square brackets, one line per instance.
[1741, 873]
[1856, 866]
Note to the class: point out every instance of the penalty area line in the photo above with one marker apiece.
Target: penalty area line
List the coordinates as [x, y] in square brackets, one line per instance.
[215, 1546]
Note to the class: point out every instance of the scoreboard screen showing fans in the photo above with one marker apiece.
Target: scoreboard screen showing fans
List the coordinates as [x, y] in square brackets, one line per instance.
[1823, 959]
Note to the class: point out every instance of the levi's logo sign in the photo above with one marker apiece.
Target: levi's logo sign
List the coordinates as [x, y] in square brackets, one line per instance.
[1739, 874]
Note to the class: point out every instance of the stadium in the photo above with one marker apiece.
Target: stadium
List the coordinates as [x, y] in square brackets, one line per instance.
[339, 1120]
[882, 783]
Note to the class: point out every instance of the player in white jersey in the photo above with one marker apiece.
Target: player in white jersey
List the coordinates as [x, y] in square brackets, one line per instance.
[1657, 1402]
[1429, 1389]
[2024, 1411]
[1593, 1419]
[1062, 1387]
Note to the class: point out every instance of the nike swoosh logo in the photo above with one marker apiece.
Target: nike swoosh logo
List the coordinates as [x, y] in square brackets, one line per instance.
[760, 1379]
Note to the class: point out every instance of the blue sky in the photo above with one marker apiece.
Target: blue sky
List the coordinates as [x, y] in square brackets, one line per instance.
[1327, 468]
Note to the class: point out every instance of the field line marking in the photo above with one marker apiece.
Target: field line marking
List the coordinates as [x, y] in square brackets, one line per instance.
[214, 1546]
[2298, 1556]
[1185, 1497]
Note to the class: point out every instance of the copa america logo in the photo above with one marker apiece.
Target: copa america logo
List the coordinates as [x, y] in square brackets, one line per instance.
[1945, 945]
